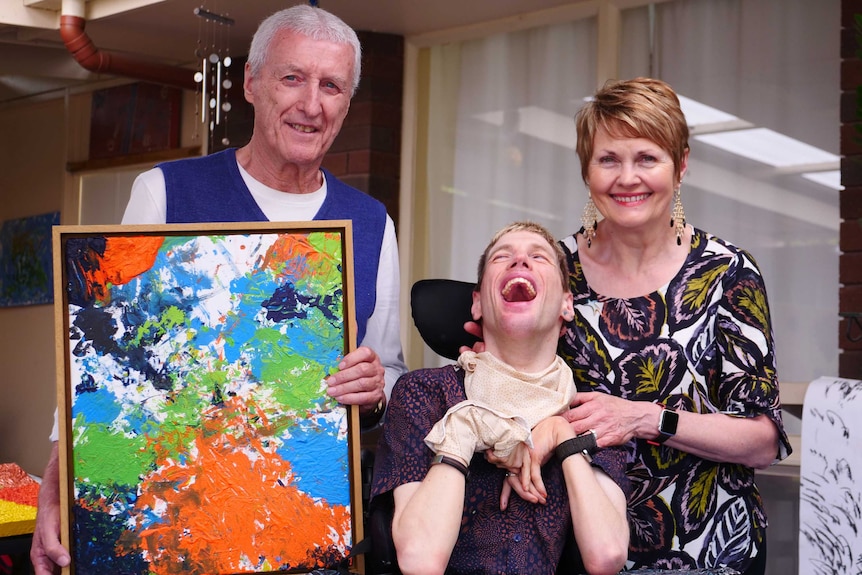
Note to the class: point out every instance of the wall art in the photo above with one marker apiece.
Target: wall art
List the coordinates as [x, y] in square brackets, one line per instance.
[25, 260]
[830, 482]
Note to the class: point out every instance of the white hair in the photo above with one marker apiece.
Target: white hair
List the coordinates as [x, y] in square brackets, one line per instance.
[316, 23]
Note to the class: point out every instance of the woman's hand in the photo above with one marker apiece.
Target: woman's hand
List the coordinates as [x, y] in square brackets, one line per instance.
[473, 328]
[615, 420]
[750, 441]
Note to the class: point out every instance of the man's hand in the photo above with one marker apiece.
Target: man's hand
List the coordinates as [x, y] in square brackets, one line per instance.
[46, 552]
[527, 481]
[359, 380]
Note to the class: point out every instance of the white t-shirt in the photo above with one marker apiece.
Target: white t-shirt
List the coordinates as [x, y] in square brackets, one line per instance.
[148, 205]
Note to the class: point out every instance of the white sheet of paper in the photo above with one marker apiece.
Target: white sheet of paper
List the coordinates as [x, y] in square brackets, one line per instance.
[830, 485]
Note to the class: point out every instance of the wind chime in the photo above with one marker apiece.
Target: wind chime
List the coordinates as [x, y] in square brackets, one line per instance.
[213, 78]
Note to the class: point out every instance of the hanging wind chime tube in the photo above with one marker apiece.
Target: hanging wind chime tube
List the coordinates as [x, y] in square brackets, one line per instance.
[218, 92]
[201, 77]
[213, 77]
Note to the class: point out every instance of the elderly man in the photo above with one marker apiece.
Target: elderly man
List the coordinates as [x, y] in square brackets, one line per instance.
[449, 511]
[302, 71]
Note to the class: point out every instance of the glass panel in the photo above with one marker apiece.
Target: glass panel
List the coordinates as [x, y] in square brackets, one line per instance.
[501, 141]
[772, 68]
[513, 154]
[509, 152]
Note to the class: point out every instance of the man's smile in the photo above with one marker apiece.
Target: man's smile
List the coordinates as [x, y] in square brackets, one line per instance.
[303, 128]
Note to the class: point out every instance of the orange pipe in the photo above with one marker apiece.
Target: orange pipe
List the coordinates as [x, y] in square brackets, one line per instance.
[79, 44]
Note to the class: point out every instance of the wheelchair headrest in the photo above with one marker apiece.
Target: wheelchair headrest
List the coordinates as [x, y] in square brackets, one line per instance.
[440, 309]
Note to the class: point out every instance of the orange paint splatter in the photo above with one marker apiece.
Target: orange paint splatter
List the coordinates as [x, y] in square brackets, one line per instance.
[293, 249]
[11, 475]
[231, 507]
[124, 259]
[20, 491]
[23, 494]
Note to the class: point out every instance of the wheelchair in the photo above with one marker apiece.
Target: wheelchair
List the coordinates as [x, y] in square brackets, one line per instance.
[439, 308]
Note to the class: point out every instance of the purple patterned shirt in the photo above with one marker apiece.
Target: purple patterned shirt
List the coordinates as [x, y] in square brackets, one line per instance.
[526, 538]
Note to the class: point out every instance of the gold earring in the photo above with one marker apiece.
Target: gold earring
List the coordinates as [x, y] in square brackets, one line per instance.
[589, 221]
[677, 219]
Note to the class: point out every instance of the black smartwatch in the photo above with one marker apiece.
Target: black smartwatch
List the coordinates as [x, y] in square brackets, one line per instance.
[667, 424]
[584, 444]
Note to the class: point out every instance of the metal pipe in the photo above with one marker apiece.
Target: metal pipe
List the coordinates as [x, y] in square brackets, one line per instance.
[79, 44]
[207, 15]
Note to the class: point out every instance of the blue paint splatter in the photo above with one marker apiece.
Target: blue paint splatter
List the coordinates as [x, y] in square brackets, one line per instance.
[99, 407]
[309, 451]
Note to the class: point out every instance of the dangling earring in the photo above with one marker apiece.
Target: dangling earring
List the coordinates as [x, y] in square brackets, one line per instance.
[677, 218]
[588, 219]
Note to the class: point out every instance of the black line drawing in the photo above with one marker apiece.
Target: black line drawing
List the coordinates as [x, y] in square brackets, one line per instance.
[830, 491]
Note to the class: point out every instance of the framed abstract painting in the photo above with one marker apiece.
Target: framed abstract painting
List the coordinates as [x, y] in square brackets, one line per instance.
[197, 436]
[25, 260]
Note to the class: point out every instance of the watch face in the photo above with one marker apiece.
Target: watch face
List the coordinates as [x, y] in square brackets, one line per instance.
[668, 423]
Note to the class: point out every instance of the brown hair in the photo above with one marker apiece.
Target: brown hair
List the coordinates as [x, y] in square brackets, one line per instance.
[526, 227]
[638, 108]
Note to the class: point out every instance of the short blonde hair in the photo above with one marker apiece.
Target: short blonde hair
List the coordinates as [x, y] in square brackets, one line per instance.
[526, 227]
[638, 108]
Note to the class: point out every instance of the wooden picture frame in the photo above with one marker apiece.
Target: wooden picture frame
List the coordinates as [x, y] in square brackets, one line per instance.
[196, 434]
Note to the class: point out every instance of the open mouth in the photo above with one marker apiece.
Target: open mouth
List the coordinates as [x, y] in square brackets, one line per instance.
[518, 289]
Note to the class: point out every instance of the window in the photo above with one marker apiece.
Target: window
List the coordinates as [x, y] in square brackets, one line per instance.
[500, 143]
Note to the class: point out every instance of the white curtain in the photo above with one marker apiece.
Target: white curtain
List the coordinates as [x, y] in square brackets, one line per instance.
[512, 154]
[775, 65]
[501, 143]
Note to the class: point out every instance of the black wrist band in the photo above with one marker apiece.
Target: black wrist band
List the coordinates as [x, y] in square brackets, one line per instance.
[584, 444]
[452, 463]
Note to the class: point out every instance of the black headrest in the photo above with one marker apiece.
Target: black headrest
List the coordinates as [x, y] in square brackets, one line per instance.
[440, 308]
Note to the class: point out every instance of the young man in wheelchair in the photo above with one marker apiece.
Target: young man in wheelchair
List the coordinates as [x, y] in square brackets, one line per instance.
[484, 474]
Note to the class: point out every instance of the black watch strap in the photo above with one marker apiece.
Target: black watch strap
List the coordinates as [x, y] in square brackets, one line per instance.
[584, 444]
[452, 462]
[667, 425]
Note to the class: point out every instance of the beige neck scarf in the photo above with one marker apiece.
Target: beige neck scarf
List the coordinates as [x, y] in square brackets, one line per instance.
[502, 406]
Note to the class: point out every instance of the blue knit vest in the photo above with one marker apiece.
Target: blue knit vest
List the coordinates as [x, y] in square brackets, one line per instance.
[211, 189]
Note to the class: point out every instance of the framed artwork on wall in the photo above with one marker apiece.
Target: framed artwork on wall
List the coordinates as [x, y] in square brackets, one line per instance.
[26, 261]
[196, 434]
[134, 119]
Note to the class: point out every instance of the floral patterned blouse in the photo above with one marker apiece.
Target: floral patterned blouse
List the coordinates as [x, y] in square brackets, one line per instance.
[701, 343]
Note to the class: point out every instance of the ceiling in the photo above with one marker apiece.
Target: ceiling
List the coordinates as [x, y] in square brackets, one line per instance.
[33, 59]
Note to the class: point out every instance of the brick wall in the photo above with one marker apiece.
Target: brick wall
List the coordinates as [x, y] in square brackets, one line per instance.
[850, 266]
[367, 152]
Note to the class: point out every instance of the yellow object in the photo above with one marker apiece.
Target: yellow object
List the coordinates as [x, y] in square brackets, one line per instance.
[16, 519]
